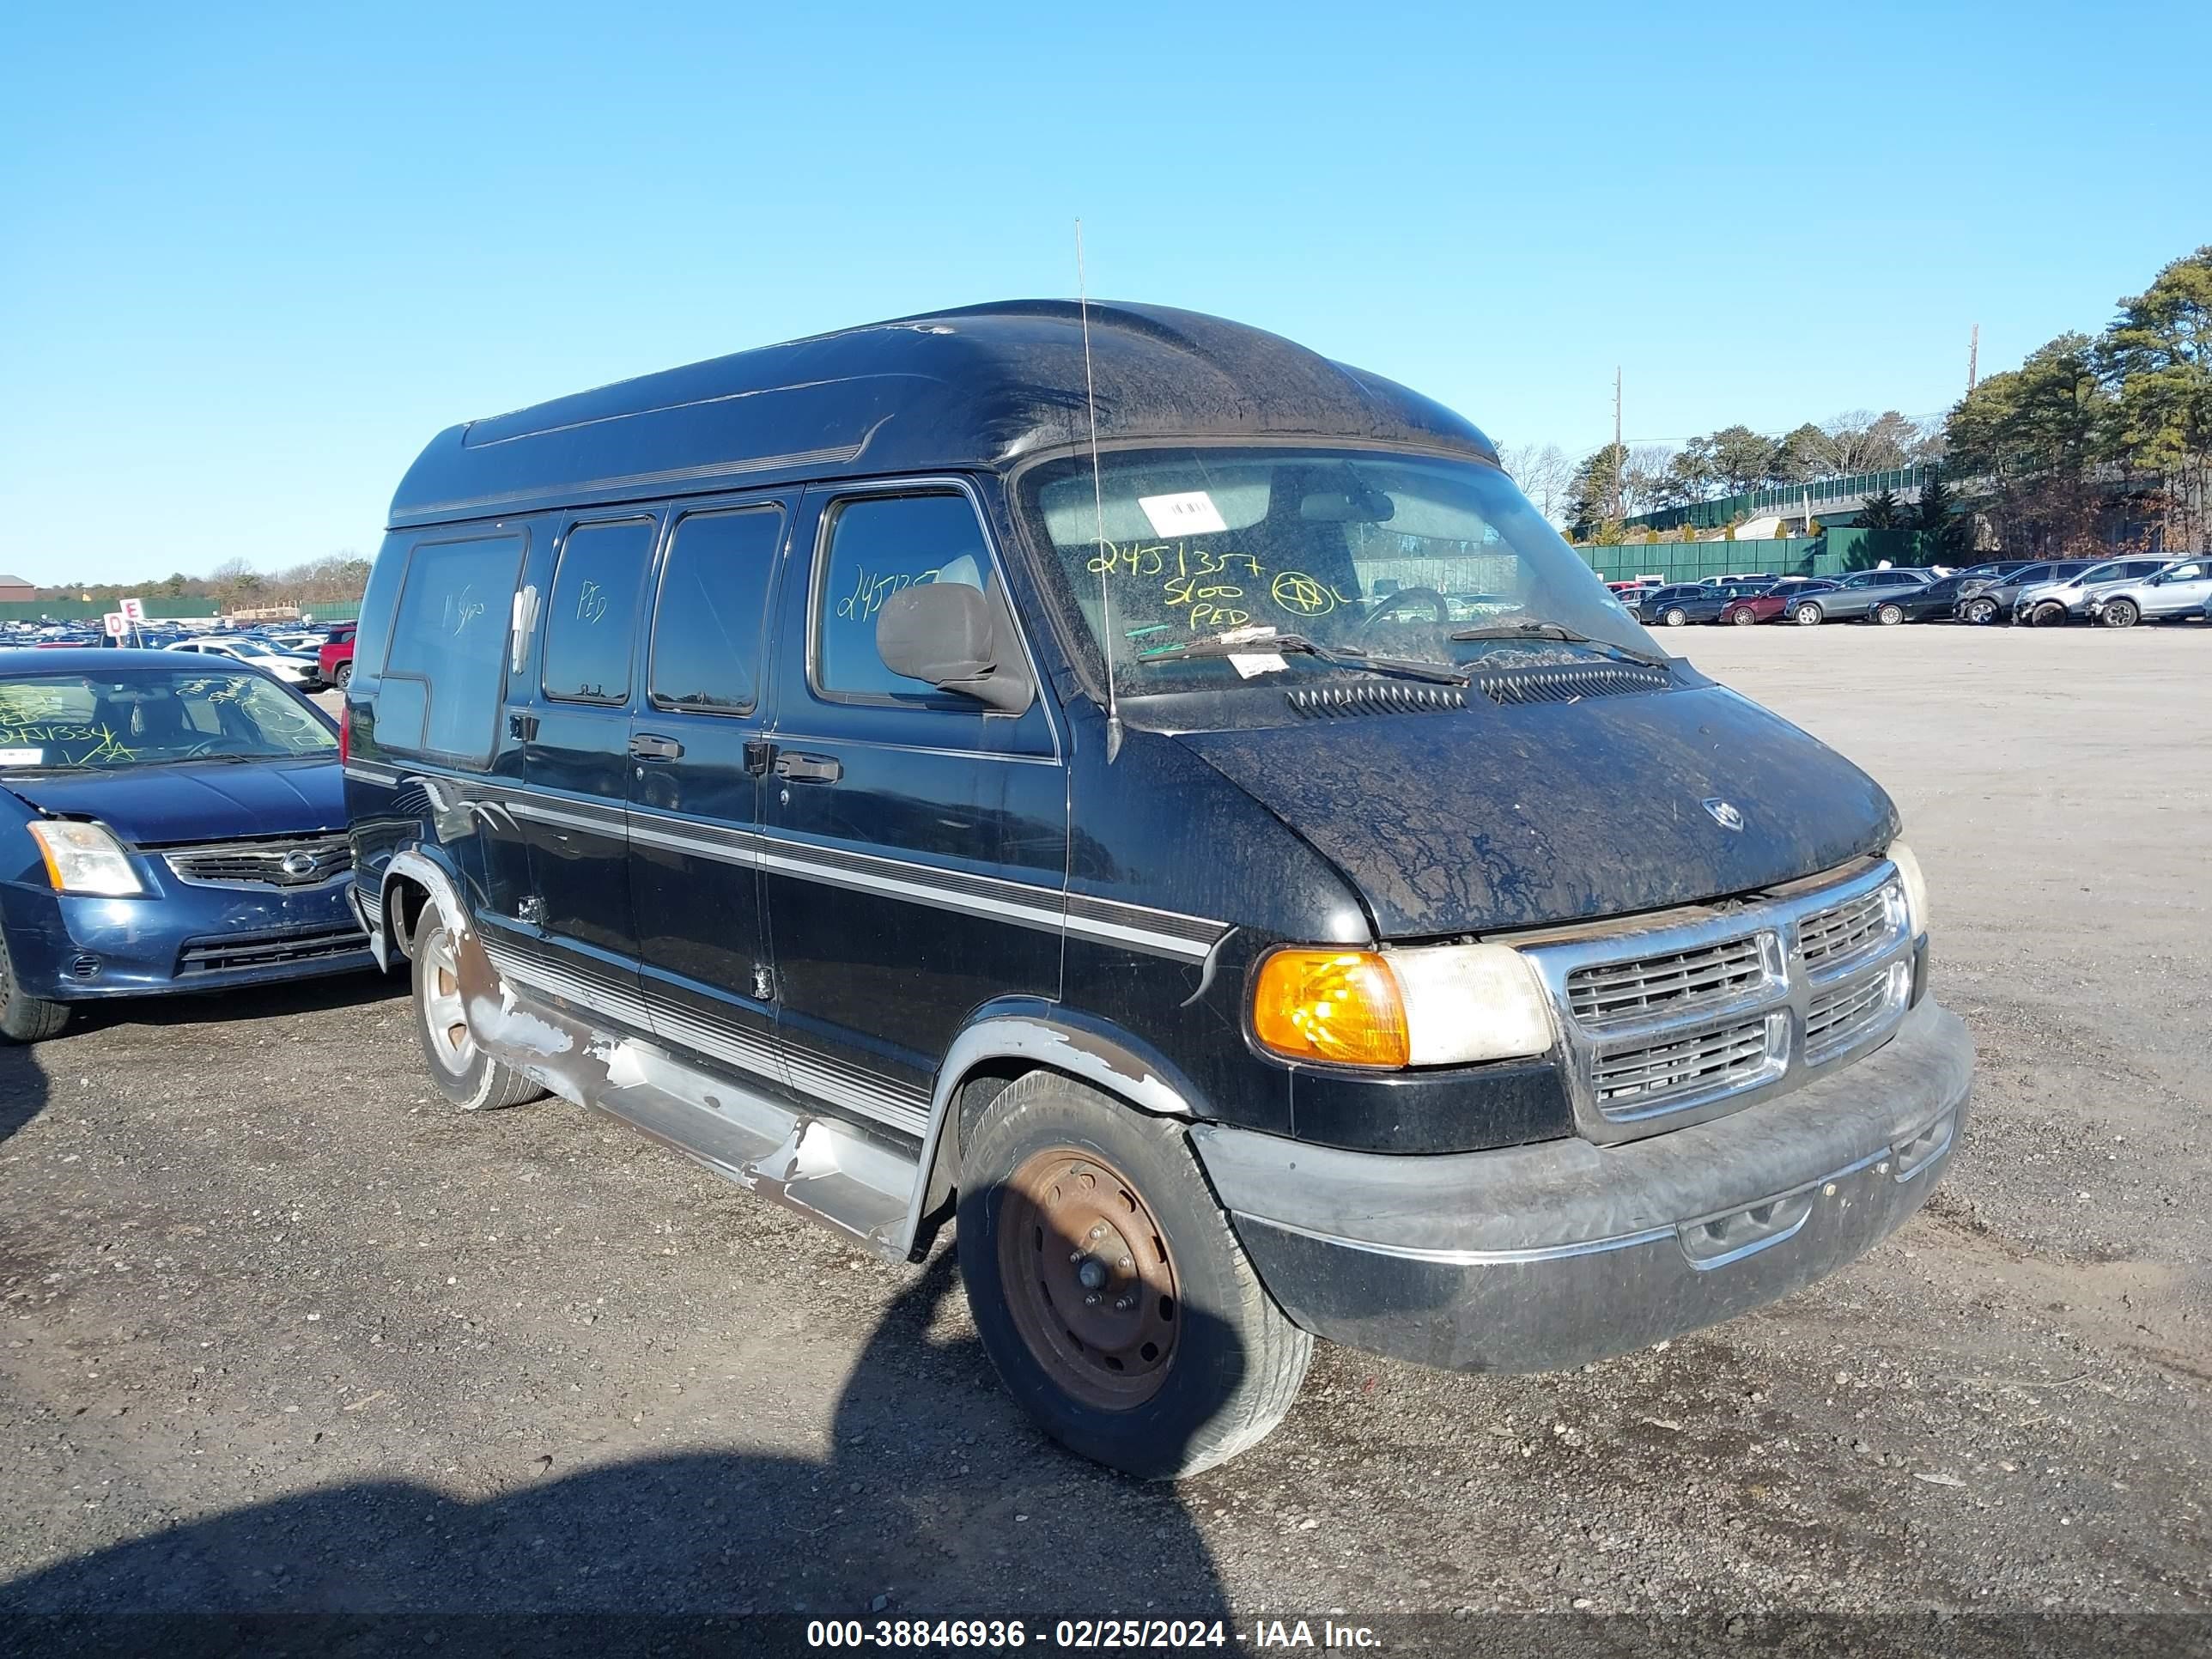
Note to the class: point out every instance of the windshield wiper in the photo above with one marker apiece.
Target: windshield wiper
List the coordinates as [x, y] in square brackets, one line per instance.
[1544, 630]
[1342, 656]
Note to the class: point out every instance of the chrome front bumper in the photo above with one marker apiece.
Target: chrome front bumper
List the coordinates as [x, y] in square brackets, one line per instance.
[1541, 1257]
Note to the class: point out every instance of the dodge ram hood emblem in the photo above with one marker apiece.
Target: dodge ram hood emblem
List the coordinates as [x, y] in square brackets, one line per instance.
[1724, 813]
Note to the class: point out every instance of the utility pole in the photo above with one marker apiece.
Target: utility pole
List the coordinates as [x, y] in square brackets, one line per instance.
[1619, 455]
[1973, 358]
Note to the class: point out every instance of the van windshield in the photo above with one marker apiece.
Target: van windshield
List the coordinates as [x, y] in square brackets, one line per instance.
[1388, 555]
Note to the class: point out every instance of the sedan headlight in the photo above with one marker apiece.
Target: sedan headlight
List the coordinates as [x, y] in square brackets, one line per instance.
[1445, 1005]
[85, 858]
[1916, 886]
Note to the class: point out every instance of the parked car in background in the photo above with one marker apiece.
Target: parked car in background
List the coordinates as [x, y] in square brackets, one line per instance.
[334, 660]
[2179, 589]
[1937, 601]
[1875, 595]
[164, 825]
[2051, 603]
[1769, 603]
[1994, 599]
[1677, 606]
[292, 667]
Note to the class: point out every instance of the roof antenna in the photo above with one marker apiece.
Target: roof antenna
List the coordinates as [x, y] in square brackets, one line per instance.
[1099, 506]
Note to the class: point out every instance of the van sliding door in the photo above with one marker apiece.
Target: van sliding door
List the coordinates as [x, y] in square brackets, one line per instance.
[694, 790]
[576, 764]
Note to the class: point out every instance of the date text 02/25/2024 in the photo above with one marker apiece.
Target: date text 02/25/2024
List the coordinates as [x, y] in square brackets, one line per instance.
[1000, 1635]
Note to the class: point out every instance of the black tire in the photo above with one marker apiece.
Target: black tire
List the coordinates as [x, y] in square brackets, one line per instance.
[1744, 617]
[341, 675]
[2122, 613]
[24, 1017]
[1809, 615]
[1676, 616]
[1981, 613]
[2048, 616]
[1889, 615]
[464, 1073]
[1236, 1363]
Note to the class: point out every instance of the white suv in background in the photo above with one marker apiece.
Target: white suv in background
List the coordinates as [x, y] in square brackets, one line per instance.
[2182, 589]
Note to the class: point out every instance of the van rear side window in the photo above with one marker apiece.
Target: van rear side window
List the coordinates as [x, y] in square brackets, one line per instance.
[443, 678]
[713, 599]
[593, 619]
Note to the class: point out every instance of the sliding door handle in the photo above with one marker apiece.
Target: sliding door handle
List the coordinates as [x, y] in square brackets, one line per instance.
[809, 769]
[644, 746]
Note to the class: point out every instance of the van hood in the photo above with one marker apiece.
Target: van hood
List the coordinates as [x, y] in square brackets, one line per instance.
[1519, 817]
[195, 800]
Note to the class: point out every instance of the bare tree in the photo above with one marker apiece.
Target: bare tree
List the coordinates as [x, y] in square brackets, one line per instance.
[1544, 474]
[1647, 481]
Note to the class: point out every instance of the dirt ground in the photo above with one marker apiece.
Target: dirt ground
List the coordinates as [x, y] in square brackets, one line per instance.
[284, 1333]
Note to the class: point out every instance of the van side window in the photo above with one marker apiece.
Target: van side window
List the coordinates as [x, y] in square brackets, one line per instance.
[443, 677]
[877, 545]
[592, 617]
[714, 600]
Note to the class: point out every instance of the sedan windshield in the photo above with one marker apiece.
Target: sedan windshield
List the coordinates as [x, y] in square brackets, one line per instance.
[1416, 560]
[149, 716]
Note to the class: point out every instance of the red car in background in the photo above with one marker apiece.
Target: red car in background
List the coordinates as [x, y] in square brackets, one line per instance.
[1757, 607]
[335, 658]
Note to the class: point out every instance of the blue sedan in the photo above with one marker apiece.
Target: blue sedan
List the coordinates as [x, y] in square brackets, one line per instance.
[165, 825]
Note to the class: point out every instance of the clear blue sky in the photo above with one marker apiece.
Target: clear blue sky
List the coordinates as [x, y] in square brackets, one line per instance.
[251, 258]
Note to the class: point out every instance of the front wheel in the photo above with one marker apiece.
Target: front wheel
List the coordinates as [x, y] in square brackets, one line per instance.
[24, 1017]
[1889, 615]
[341, 675]
[1107, 1287]
[1982, 612]
[1808, 615]
[2048, 616]
[464, 1073]
[1676, 616]
[1742, 618]
[2121, 613]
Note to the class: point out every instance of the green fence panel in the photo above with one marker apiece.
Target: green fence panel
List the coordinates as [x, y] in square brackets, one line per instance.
[92, 610]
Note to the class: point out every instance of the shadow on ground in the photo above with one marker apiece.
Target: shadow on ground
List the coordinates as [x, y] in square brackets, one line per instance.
[937, 1498]
[22, 1087]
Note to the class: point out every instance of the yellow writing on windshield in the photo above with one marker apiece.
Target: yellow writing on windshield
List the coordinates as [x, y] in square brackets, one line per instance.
[1212, 589]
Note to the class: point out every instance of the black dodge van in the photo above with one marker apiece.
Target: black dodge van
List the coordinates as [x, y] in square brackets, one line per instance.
[1164, 802]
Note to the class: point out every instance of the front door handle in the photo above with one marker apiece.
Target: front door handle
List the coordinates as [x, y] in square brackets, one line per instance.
[809, 769]
[644, 746]
[523, 726]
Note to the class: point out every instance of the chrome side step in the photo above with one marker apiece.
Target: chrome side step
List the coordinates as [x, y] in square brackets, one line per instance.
[816, 1166]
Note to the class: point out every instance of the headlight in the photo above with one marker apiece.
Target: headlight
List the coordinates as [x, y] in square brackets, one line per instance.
[1446, 1004]
[1916, 886]
[84, 858]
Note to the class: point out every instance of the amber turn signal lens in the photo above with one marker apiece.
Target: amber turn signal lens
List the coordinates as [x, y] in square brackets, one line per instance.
[1340, 1007]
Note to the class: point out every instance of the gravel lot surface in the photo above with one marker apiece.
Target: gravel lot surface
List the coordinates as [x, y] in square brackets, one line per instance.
[283, 1331]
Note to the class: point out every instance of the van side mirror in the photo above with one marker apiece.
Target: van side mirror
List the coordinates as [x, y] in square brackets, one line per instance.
[948, 635]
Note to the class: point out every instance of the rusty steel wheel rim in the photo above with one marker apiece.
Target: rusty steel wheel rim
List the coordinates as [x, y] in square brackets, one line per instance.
[1089, 1277]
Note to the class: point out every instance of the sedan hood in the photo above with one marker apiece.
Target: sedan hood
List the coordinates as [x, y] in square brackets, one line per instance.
[1519, 817]
[195, 800]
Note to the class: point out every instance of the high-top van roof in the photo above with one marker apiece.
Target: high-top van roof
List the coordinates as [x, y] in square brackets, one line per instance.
[983, 387]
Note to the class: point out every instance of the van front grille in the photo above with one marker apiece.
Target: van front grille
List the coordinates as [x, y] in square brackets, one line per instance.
[1660, 1019]
[1675, 981]
[1828, 938]
[1842, 1017]
[1635, 1081]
